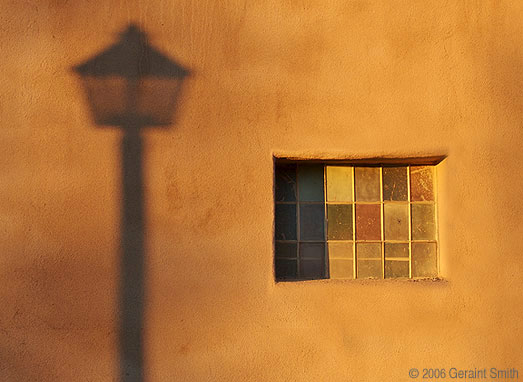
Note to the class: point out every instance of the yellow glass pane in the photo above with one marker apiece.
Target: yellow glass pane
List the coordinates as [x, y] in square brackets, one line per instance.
[367, 184]
[341, 269]
[424, 260]
[368, 250]
[396, 220]
[423, 222]
[369, 269]
[395, 183]
[339, 221]
[396, 250]
[396, 269]
[421, 183]
[339, 184]
[340, 250]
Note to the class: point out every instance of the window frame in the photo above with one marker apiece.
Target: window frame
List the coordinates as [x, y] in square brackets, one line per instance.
[380, 163]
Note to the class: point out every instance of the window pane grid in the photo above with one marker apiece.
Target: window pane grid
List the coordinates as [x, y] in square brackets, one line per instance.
[355, 214]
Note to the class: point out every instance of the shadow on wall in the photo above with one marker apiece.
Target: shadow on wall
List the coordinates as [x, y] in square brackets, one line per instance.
[131, 85]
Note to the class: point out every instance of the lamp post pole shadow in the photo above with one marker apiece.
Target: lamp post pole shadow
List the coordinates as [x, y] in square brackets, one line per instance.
[131, 85]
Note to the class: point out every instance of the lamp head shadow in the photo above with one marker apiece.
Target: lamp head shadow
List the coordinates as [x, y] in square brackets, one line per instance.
[132, 84]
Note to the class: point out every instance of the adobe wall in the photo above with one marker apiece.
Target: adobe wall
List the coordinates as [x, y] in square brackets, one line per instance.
[313, 79]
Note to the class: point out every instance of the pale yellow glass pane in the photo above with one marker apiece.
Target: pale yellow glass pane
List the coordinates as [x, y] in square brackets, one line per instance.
[396, 221]
[368, 251]
[396, 269]
[423, 222]
[369, 269]
[341, 269]
[339, 184]
[367, 184]
[396, 250]
[340, 250]
[424, 260]
[421, 183]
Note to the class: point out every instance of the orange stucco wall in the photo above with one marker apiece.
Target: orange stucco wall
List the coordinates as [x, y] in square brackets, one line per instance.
[310, 79]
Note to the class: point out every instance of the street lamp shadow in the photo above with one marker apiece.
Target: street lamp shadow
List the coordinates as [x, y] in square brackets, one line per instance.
[133, 86]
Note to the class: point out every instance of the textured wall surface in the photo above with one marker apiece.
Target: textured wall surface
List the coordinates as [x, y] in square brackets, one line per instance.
[305, 78]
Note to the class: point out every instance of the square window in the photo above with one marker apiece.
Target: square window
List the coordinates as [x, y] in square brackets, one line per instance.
[346, 221]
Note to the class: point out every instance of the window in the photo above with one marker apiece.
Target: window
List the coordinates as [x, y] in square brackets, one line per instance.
[347, 221]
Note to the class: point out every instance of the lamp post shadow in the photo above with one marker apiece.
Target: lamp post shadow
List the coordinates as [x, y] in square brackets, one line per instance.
[131, 85]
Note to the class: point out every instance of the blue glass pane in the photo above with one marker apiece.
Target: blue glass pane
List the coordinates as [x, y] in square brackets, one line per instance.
[286, 269]
[310, 183]
[312, 251]
[285, 222]
[285, 183]
[312, 217]
[312, 269]
[287, 250]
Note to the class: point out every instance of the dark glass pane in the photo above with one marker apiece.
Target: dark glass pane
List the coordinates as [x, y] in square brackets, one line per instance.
[312, 217]
[286, 269]
[395, 183]
[367, 184]
[286, 249]
[396, 221]
[423, 222]
[424, 260]
[310, 183]
[339, 221]
[312, 269]
[285, 183]
[285, 222]
[368, 224]
[396, 269]
[396, 250]
[369, 269]
[421, 183]
[312, 251]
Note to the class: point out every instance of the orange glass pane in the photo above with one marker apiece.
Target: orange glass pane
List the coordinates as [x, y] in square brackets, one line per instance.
[368, 223]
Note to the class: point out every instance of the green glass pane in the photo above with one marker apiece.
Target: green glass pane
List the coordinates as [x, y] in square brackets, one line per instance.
[396, 221]
[424, 260]
[341, 269]
[312, 251]
[340, 250]
[285, 217]
[339, 223]
[285, 269]
[395, 183]
[423, 222]
[312, 269]
[310, 183]
[397, 250]
[396, 269]
[339, 184]
[368, 223]
[312, 220]
[367, 184]
[368, 251]
[421, 183]
[369, 269]
[286, 250]
[285, 183]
